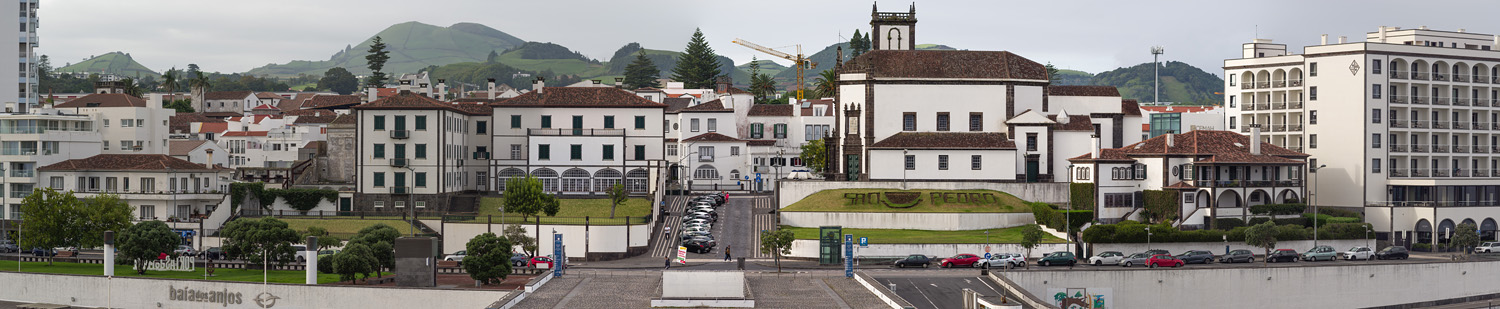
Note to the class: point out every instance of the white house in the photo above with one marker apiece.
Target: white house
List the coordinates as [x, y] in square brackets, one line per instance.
[199, 152]
[228, 103]
[157, 186]
[580, 140]
[418, 152]
[39, 138]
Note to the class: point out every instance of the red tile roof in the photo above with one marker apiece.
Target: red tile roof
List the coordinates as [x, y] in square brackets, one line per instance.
[266, 107]
[182, 147]
[828, 111]
[760, 143]
[223, 114]
[1130, 107]
[308, 112]
[268, 95]
[947, 64]
[296, 102]
[1178, 109]
[188, 118]
[227, 95]
[410, 101]
[708, 107]
[945, 140]
[345, 119]
[1181, 185]
[324, 119]
[1220, 146]
[676, 104]
[1075, 123]
[104, 100]
[244, 133]
[1083, 91]
[772, 110]
[213, 127]
[712, 137]
[330, 101]
[132, 162]
[579, 97]
[482, 108]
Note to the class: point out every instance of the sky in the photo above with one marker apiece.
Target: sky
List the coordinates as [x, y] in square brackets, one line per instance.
[1088, 35]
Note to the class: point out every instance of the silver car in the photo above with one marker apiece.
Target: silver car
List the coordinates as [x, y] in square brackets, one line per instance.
[1135, 259]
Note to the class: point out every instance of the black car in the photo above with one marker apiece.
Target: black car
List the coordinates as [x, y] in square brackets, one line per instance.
[39, 251]
[1236, 256]
[914, 260]
[1282, 255]
[8, 247]
[698, 246]
[1391, 253]
[1196, 256]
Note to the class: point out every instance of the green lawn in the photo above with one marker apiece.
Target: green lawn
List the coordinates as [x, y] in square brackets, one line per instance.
[343, 227]
[886, 236]
[572, 211]
[244, 275]
[834, 201]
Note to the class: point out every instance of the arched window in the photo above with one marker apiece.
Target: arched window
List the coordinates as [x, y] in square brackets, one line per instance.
[706, 172]
[548, 178]
[605, 179]
[506, 175]
[635, 181]
[575, 180]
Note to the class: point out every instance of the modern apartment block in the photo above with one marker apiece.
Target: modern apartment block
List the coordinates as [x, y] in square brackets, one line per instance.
[22, 95]
[1410, 126]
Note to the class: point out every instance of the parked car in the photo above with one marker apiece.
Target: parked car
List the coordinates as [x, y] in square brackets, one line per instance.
[1003, 260]
[184, 250]
[8, 247]
[456, 256]
[1282, 255]
[1236, 256]
[913, 261]
[1358, 253]
[322, 254]
[39, 251]
[687, 236]
[539, 262]
[1488, 247]
[519, 259]
[1196, 257]
[1058, 258]
[698, 246]
[1164, 260]
[710, 240]
[1392, 253]
[1107, 257]
[301, 252]
[1135, 259]
[962, 259]
[1320, 253]
[1157, 251]
[214, 253]
[688, 228]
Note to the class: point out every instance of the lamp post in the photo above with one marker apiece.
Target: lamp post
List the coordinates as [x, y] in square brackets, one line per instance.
[903, 168]
[1314, 199]
[1148, 237]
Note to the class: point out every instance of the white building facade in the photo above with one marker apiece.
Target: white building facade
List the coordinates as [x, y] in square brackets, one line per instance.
[580, 140]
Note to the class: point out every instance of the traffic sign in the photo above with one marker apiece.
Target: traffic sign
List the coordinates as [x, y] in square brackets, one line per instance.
[986, 255]
[864, 242]
[986, 249]
[682, 255]
[849, 255]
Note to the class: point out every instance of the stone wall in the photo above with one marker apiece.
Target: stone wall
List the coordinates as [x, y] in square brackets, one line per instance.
[597, 242]
[907, 220]
[807, 248]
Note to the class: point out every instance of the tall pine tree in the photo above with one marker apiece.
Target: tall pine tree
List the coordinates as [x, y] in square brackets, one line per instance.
[642, 72]
[376, 60]
[698, 66]
[762, 88]
[858, 44]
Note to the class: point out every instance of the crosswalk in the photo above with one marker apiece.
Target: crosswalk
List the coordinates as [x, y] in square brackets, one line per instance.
[762, 221]
[665, 244]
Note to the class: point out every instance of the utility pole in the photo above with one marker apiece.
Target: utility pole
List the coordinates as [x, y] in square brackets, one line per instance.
[1156, 52]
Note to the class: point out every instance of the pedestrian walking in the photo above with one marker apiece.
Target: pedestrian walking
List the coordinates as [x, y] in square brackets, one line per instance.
[669, 263]
[666, 231]
[726, 253]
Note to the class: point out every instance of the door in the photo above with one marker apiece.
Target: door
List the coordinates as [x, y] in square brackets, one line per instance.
[577, 125]
[345, 203]
[851, 167]
[1032, 169]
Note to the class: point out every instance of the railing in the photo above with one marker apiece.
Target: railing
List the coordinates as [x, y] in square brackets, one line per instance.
[23, 173]
[1418, 124]
[1245, 128]
[1418, 148]
[1479, 125]
[1397, 99]
[1481, 173]
[1278, 128]
[400, 134]
[1295, 148]
[1461, 173]
[1439, 173]
[1399, 75]
[1296, 104]
[1294, 128]
[400, 190]
[1439, 77]
[1439, 148]
[1247, 86]
[1278, 105]
[1493, 103]
[1280, 84]
[1435, 204]
[1439, 125]
[1398, 173]
[1249, 106]
[1419, 76]
[1263, 85]
[1481, 149]
[1460, 102]
[1296, 83]
[1397, 123]
[399, 162]
[1460, 149]
[1418, 100]
[1495, 149]
[1418, 173]
[1263, 106]
[1439, 101]
[1252, 183]
[1460, 125]
[1461, 78]
[576, 132]
[1481, 79]
[1398, 148]
[702, 158]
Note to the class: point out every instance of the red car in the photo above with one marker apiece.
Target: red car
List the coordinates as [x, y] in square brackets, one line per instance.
[1163, 260]
[540, 262]
[964, 259]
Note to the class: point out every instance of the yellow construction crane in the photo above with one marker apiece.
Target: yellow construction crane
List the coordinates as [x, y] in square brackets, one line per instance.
[798, 60]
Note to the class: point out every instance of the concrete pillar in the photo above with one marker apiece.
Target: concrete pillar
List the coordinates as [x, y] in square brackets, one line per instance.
[109, 253]
[312, 260]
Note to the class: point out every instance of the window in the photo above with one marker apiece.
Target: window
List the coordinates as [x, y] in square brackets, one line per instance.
[421, 123]
[1232, 77]
[379, 179]
[1375, 67]
[1082, 173]
[757, 130]
[814, 132]
[1312, 141]
[911, 162]
[379, 151]
[609, 152]
[976, 122]
[713, 125]
[400, 151]
[943, 162]
[1375, 165]
[640, 122]
[481, 127]
[515, 121]
[942, 122]
[666, 126]
[399, 204]
[1375, 140]
[106, 122]
[734, 150]
[421, 151]
[419, 179]
[693, 125]
[515, 152]
[543, 152]
[1031, 141]
[1119, 200]
[400, 122]
[706, 153]
[1312, 117]
[609, 122]
[379, 123]
[379, 204]
[909, 122]
[1231, 122]
[1312, 69]
[575, 152]
[1375, 91]
[57, 183]
[672, 150]
[640, 152]
[1312, 93]
[780, 130]
[546, 121]
[1375, 115]
[419, 204]
[1231, 98]
[975, 163]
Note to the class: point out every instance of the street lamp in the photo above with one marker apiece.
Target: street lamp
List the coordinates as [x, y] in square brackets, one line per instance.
[1148, 237]
[903, 168]
[1314, 199]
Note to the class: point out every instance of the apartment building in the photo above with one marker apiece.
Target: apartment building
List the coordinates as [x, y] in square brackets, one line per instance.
[22, 96]
[157, 186]
[580, 140]
[1163, 119]
[416, 153]
[1408, 131]
[127, 124]
[39, 138]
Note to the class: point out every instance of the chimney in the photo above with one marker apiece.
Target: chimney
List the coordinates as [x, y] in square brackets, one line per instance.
[491, 89]
[1461, 30]
[1381, 36]
[1342, 39]
[370, 94]
[1255, 139]
[404, 87]
[1171, 139]
[539, 84]
[1094, 140]
[442, 89]
[597, 83]
[210, 163]
[1422, 27]
[1324, 41]
[1496, 43]
[620, 82]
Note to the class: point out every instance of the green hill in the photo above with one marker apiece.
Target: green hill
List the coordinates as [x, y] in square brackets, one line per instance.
[535, 56]
[1180, 83]
[1073, 77]
[766, 67]
[413, 46]
[118, 63]
[665, 60]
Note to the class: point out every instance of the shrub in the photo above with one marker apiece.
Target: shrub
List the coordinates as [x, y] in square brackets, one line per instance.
[1082, 195]
[325, 264]
[1292, 232]
[1162, 204]
[1293, 221]
[1259, 220]
[1278, 209]
[1228, 223]
[1336, 220]
[1342, 231]
[1321, 219]
[1421, 247]
[1336, 212]
[1100, 233]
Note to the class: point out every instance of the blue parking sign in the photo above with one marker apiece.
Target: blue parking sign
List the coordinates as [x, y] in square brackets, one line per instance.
[986, 255]
[864, 241]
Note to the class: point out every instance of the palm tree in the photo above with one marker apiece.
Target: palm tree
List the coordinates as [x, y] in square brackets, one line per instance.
[198, 85]
[826, 81]
[169, 83]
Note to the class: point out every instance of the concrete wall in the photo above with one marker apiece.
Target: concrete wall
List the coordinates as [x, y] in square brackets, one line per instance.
[702, 284]
[807, 248]
[902, 220]
[600, 238]
[121, 292]
[792, 191]
[1218, 247]
[1354, 286]
[323, 205]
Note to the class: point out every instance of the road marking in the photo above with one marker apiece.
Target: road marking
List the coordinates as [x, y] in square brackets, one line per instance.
[924, 294]
[987, 283]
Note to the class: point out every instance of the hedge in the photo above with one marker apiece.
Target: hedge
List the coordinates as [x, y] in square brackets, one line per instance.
[1048, 215]
[1279, 209]
[1136, 233]
[1340, 212]
[1161, 205]
[1228, 223]
[1293, 221]
[299, 199]
[1082, 195]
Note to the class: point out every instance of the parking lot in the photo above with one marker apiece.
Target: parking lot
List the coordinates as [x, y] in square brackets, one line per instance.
[936, 290]
[1416, 257]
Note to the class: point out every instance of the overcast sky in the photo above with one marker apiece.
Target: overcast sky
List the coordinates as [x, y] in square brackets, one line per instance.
[1088, 35]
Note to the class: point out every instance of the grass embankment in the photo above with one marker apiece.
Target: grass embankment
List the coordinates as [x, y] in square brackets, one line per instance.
[835, 201]
[243, 275]
[887, 236]
[571, 211]
[343, 227]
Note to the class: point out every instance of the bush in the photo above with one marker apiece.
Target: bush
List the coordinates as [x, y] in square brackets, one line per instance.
[1259, 220]
[1228, 223]
[1336, 220]
[1342, 231]
[325, 264]
[1279, 209]
[1421, 247]
[1293, 221]
[1082, 195]
[1321, 219]
[1292, 232]
[1100, 233]
[1336, 212]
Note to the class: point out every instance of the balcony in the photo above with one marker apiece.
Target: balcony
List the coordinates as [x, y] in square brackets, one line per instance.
[705, 158]
[1479, 126]
[1296, 83]
[1294, 128]
[1439, 125]
[1460, 125]
[1461, 78]
[399, 162]
[1461, 173]
[1439, 173]
[575, 132]
[1263, 106]
[1398, 99]
[1495, 149]
[400, 134]
[1280, 84]
[1481, 149]
[1439, 77]
[401, 190]
[1481, 173]
[1460, 102]
[1263, 85]
[23, 173]
[1493, 103]
[1439, 149]
[1245, 128]
[1252, 183]
[1418, 124]
[1399, 75]
[1481, 79]
[1278, 128]
[1295, 148]
[1418, 100]
[1419, 76]
[1295, 104]
[1247, 86]
[1460, 149]
[1419, 148]
[1278, 105]
[1418, 173]
[481, 155]
[1398, 173]
[1398, 123]
[1439, 101]
[1398, 148]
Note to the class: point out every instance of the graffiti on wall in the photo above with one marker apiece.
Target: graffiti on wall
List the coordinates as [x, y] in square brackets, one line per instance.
[1081, 298]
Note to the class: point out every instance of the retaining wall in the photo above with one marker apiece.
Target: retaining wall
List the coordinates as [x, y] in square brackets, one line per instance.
[122, 292]
[807, 248]
[1218, 247]
[907, 220]
[600, 240]
[791, 191]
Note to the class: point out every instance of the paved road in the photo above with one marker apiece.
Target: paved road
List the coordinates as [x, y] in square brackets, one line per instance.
[738, 229]
[635, 288]
[936, 290]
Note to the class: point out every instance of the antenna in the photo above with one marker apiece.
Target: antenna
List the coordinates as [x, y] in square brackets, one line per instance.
[1156, 52]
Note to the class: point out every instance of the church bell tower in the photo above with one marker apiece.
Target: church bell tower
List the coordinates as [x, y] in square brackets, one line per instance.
[893, 31]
